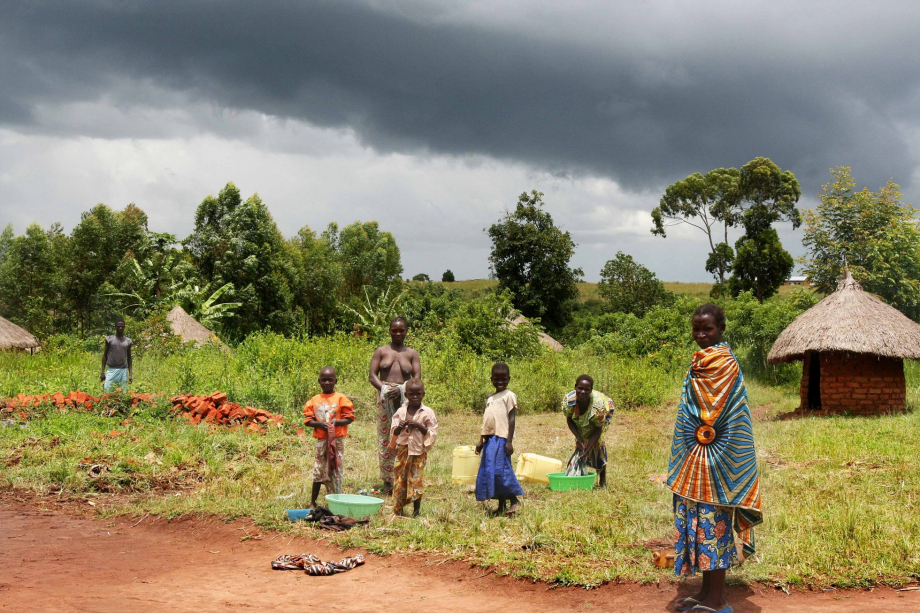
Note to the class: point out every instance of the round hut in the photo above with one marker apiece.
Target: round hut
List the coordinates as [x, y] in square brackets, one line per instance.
[188, 329]
[853, 347]
[14, 338]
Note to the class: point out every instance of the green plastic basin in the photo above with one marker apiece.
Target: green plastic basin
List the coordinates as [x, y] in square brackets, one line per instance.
[353, 505]
[558, 482]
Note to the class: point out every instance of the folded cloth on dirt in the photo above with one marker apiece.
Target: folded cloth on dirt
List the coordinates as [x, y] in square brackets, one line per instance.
[294, 562]
[712, 454]
[576, 467]
[332, 568]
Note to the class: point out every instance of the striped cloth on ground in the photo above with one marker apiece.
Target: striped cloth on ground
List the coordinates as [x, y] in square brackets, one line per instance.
[314, 566]
[712, 454]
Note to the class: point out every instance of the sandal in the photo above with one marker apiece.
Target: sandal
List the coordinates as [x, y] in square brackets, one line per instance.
[686, 604]
[702, 609]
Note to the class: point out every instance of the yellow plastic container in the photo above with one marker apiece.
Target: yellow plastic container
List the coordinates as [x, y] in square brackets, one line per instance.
[534, 468]
[466, 465]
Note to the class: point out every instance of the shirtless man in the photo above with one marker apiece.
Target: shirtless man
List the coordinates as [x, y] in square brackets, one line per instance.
[391, 367]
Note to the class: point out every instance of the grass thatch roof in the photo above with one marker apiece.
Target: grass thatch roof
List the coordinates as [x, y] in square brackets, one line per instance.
[849, 320]
[545, 338]
[14, 337]
[184, 326]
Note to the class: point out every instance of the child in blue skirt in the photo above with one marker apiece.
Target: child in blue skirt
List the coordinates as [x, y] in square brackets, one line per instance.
[496, 477]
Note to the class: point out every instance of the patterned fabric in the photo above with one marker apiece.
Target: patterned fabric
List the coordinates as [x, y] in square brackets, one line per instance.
[332, 568]
[598, 415]
[294, 562]
[409, 484]
[496, 477]
[418, 443]
[323, 469]
[328, 408]
[704, 539]
[712, 454]
[115, 377]
[386, 408]
[597, 458]
[314, 566]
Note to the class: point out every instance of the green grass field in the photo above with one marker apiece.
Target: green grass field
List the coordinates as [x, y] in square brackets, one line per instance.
[588, 291]
[840, 494]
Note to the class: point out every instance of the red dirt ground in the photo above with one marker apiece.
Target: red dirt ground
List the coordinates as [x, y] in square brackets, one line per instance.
[55, 558]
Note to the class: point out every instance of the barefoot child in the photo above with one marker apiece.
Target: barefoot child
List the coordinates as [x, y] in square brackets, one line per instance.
[496, 477]
[329, 414]
[713, 467]
[415, 429]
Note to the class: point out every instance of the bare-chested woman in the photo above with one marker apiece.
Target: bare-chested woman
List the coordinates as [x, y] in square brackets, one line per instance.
[391, 367]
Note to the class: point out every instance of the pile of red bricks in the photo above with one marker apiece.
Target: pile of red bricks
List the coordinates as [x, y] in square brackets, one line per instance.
[215, 409]
[75, 400]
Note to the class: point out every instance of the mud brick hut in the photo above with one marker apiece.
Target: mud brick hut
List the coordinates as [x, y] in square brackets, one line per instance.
[188, 329]
[14, 338]
[853, 347]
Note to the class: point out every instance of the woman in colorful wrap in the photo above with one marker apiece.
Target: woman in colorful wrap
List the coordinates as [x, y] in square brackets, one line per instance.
[391, 366]
[713, 467]
[588, 415]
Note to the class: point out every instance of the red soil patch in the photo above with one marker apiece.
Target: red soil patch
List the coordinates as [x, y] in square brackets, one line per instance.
[55, 559]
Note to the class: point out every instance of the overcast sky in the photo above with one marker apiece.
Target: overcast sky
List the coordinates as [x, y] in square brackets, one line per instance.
[431, 117]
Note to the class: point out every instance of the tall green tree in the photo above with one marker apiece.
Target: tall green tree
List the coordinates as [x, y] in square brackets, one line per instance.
[704, 202]
[630, 287]
[95, 252]
[874, 233]
[31, 279]
[369, 257]
[768, 195]
[238, 242]
[530, 258]
[318, 279]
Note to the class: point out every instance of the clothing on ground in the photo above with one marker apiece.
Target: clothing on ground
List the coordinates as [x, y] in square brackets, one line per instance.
[115, 377]
[314, 566]
[496, 477]
[712, 454]
[418, 443]
[703, 537]
[495, 417]
[386, 408]
[117, 355]
[409, 482]
[323, 470]
[329, 408]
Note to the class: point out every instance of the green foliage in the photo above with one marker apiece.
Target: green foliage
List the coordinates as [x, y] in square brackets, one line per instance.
[753, 326]
[484, 327]
[629, 287]
[318, 280]
[768, 195]
[422, 277]
[874, 233]
[238, 242]
[761, 264]
[530, 258]
[368, 256]
[448, 276]
[374, 314]
[31, 279]
[703, 201]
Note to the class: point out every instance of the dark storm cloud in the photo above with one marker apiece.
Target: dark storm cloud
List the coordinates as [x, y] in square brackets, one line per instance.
[643, 116]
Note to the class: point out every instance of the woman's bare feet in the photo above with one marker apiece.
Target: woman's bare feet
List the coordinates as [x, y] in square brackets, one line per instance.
[514, 508]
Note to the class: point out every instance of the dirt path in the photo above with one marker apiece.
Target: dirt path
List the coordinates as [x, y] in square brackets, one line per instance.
[52, 559]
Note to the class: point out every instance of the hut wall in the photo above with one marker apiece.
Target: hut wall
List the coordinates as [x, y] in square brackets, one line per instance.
[859, 383]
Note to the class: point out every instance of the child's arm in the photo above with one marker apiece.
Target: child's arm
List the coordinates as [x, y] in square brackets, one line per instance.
[329, 428]
[509, 447]
[481, 444]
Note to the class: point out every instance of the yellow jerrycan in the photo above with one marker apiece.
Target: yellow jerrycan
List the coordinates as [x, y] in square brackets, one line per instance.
[466, 465]
[533, 468]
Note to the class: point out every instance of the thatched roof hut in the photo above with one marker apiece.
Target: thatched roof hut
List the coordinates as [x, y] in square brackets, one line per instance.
[185, 327]
[16, 338]
[853, 346]
[545, 338]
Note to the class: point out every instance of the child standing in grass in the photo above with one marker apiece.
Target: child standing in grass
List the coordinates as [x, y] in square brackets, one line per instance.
[414, 430]
[713, 467]
[496, 477]
[329, 414]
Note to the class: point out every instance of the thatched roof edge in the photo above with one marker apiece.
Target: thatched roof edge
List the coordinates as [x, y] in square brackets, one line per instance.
[849, 320]
[187, 328]
[15, 337]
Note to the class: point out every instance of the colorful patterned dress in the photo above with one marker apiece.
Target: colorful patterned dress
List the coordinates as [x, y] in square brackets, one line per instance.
[713, 466]
[598, 415]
